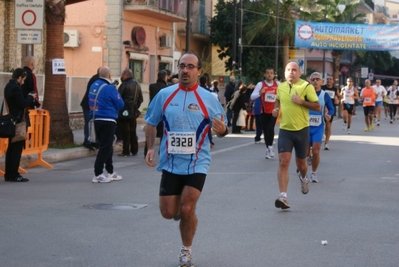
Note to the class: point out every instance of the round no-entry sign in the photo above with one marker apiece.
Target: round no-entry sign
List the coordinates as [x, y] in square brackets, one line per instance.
[29, 14]
[28, 17]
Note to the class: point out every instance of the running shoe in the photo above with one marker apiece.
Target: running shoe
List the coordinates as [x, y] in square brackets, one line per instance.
[366, 129]
[282, 203]
[313, 178]
[271, 152]
[372, 126]
[326, 147]
[268, 154]
[349, 131]
[390, 121]
[114, 176]
[378, 123]
[344, 127]
[101, 179]
[185, 259]
[304, 184]
[309, 160]
[177, 217]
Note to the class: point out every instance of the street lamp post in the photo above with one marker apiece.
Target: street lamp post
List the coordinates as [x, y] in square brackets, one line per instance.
[277, 32]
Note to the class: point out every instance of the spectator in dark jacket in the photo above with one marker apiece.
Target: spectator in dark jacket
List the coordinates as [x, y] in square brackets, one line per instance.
[131, 94]
[154, 89]
[228, 94]
[16, 103]
[85, 107]
[239, 104]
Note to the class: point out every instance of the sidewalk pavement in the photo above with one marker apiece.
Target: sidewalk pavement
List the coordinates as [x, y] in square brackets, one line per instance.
[52, 155]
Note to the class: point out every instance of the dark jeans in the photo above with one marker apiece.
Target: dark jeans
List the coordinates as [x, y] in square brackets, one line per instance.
[268, 122]
[127, 128]
[235, 128]
[13, 157]
[258, 129]
[105, 131]
[87, 118]
[229, 114]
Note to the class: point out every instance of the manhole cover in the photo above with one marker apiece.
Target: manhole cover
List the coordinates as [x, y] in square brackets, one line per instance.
[104, 206]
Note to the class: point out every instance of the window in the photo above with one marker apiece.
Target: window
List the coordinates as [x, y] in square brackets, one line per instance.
[137, 68]
[163, 66]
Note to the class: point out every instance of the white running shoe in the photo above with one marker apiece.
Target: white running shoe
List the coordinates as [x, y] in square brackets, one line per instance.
[271, 152]
[185, 258]
[114, 176]
[313, 177]
[344, 127]
[304, 184]
[268, 154]
[101, 179]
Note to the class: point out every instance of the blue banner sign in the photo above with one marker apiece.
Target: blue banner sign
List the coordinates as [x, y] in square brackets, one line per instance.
[335, 36]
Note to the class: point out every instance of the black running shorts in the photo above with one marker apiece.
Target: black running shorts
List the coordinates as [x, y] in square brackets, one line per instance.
[173, 184]
[287, 140]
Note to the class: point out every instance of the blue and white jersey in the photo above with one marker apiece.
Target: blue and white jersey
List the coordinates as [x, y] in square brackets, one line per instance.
[186, 115]
[316, 118]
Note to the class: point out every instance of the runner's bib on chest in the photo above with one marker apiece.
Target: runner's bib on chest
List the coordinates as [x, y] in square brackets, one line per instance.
[331, 93]
[314, 120]
[181, 142]
[367, 100]
[270, 97]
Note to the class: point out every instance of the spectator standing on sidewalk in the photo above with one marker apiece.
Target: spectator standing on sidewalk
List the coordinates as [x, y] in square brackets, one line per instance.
[108, 104]
[295, 98]
[16, 104]
[154, 90]
[187, 110]
[85, 107]
[228, 95]
[132, 96]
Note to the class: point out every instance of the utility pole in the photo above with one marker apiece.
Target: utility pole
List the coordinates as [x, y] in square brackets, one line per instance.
[188, 25]
[240, 42]
[234, 36]
[277, 33]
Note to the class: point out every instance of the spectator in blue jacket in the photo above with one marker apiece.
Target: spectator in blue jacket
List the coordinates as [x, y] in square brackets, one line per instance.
[108, 104]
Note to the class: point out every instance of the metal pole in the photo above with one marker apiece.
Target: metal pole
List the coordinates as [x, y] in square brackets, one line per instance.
[324, 65]
[277, 33]
[188, 26]
[234, 35]
[240, 42]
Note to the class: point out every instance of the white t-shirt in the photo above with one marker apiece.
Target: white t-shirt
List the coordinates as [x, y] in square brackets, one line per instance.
[380, 91]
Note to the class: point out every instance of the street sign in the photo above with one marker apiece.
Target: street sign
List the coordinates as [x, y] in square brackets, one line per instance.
[371, 76]
[29, 36]
[364, 72]
[29, 14]
[58, 66]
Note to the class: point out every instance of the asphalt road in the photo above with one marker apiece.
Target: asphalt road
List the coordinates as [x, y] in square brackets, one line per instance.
[60, 218]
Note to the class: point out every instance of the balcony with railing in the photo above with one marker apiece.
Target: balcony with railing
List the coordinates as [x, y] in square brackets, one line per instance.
[166, 10]
[200, 28]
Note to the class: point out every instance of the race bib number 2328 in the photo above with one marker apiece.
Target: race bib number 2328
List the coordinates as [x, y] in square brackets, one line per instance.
[181, 142]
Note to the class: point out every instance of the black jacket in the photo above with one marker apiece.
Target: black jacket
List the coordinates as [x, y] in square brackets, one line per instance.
[85, 100]
[228, 93]
[127, 90]
[156, 87]
[29, 86]
[16, 101]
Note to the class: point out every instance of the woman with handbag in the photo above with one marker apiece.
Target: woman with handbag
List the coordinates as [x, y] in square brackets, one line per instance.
[16, 105]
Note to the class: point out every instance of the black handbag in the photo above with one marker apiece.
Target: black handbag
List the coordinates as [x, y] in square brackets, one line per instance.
[7, 124]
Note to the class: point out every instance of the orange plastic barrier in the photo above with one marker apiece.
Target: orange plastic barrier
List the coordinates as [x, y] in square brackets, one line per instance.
[38, 139]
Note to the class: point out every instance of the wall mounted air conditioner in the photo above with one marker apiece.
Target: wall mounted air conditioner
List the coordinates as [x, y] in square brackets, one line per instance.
[71, 38]
[165, 41]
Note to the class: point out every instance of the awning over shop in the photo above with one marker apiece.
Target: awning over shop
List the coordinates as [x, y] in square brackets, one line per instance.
[166, 59]
[138, 56]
